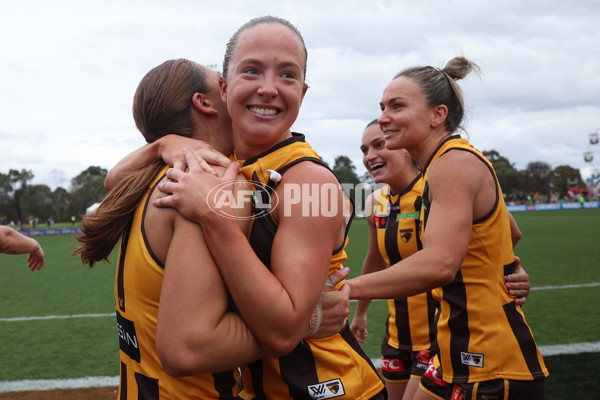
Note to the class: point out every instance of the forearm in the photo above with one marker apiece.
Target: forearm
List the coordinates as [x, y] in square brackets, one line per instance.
[134, 160]
[416, 274]
[16, 243]
[260, 297]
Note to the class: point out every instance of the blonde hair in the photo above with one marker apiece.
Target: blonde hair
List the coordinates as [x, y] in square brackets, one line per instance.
[440, 87]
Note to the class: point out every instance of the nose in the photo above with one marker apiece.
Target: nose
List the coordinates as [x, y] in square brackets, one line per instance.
[268, 85]
[383, 119]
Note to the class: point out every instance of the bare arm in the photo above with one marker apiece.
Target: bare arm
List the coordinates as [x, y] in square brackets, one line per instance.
[517, 283]
[277, 306]
[13, 242]
[515, 232]
[171, 149]
[454, 181]
[195, 332]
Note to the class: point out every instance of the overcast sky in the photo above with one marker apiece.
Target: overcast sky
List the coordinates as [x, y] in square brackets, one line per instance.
[68, 71]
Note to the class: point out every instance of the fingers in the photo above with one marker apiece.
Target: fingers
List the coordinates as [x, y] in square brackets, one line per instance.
[212, 156]
[233, 169]
[180, 164]
[336, 277]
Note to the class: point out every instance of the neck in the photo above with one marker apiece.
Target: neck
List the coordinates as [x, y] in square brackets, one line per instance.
[249, 145]
[399, 185]
[423, 152]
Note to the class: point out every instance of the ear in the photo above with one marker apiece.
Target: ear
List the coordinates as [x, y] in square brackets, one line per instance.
[438, 115]
[304, 89]
[223, 88]
[203, 104]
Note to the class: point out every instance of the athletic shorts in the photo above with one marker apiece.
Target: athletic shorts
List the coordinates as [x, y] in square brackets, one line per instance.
[500, 389]
[400, 365]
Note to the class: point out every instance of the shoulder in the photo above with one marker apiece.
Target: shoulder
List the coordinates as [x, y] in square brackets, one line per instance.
[457, 163]
[309, 172]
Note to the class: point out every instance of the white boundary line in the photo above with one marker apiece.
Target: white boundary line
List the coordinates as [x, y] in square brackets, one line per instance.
[109, 381]
[50, 317]
[581, 285]
[16, 319]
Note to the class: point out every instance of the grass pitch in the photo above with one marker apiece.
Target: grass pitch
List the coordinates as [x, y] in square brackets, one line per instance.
[558, 248]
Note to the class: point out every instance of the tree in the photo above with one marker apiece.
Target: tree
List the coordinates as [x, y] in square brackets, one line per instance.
[87, 188]
[507, 174]
[60, 204]
[564, 177]
[344, 170]
[536, 177]
[37, 202]
[13, 187]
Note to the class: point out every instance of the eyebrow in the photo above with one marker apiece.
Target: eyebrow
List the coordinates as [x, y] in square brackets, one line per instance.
[283, 64]
[392, 100]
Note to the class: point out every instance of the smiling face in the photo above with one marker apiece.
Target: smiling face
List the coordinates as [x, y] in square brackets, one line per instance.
[394, 167]
[405, 116]
[264, 86]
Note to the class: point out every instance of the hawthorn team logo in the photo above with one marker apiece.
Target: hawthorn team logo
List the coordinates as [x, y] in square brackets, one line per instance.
[327, 390]
[472, 359]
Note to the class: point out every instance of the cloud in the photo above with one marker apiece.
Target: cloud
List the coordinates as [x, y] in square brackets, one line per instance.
[70, 70]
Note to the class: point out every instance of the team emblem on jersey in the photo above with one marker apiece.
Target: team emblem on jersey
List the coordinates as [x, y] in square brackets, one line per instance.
[472, 359]
[327, 390]
[406, 234]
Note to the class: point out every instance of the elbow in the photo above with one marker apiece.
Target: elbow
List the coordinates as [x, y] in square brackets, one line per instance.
[516, 236]
[173, 365]
[277, 346]
[179, 360]
[172, 358]
[448, 272]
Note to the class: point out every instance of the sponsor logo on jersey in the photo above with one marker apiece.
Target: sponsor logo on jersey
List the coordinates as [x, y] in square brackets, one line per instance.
[423, 356]
[434, 375]
[380, 221]
[411, 215]
[327, 390]
[472, 359]
[458, 393]
[392, 364]
[128, 341]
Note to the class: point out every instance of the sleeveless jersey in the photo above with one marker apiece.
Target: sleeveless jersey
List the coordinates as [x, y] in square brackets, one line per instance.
[409, 325]
[481, 333]
[317, 368]
[137, 291]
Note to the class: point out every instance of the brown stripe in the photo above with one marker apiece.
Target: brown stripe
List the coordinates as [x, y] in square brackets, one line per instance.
[525, 340]
[456, 295]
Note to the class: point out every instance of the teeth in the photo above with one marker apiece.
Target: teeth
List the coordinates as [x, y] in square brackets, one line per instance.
[263, 111]
[376, 166]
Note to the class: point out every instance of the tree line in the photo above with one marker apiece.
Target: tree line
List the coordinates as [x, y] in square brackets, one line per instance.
[20, 200]
[537, 181]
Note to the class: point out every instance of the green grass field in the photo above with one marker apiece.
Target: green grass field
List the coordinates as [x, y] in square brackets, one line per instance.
[558, 248]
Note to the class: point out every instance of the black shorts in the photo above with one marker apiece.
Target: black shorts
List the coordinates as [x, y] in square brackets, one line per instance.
[501, 389]
[400, 365]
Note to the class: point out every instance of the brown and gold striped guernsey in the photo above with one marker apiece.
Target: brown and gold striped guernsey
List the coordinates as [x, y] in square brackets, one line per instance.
[481, 333]
[316, 368]
[137, 291]
[396, 219]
